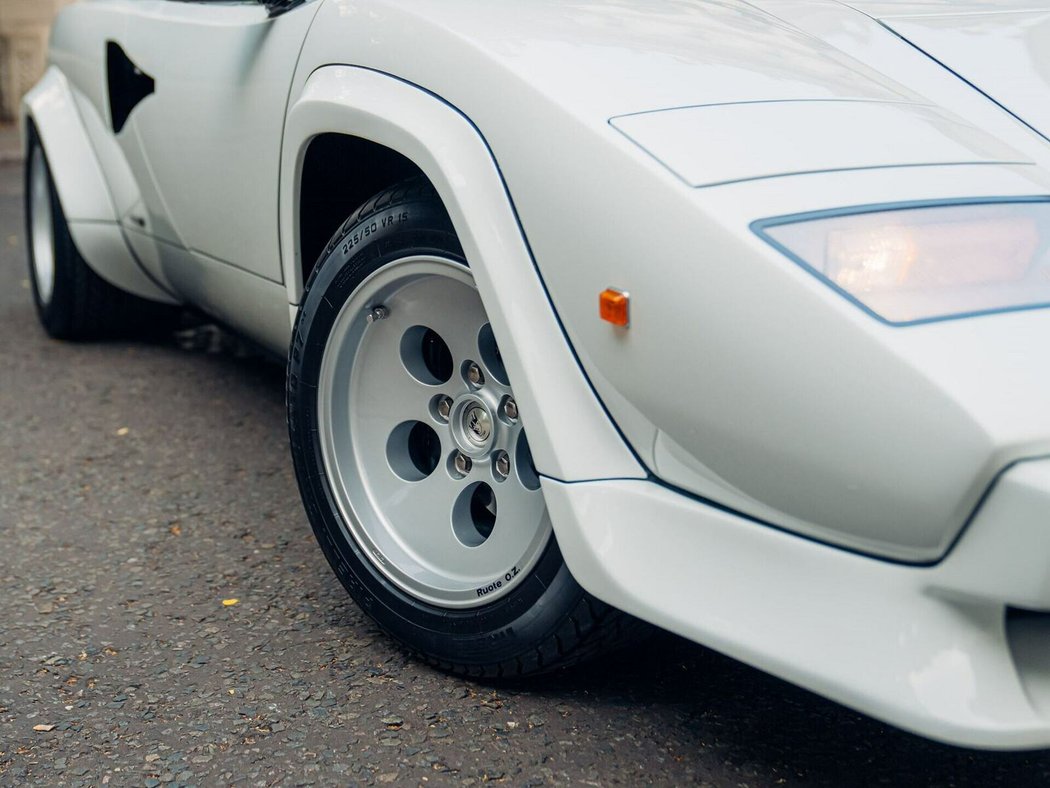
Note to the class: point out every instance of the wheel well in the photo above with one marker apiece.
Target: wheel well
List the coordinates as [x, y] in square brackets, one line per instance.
[340, 172]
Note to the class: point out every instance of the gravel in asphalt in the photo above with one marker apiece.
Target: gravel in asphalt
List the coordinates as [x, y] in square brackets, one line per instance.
[145, 486]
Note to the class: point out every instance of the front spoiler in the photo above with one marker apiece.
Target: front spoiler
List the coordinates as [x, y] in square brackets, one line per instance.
[929, 649]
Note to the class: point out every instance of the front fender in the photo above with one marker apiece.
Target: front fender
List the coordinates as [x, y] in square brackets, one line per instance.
[571, 436]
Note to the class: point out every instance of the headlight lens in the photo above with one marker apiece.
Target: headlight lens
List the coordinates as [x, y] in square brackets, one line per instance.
[911, 265]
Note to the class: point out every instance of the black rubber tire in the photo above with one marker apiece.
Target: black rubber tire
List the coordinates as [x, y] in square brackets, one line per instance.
[83, 305]
[547, 621]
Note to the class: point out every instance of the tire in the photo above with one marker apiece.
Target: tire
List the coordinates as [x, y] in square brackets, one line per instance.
[472, 585]
[72, 301]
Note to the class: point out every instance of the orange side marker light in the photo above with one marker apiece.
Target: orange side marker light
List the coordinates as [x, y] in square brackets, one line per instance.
[613, 307]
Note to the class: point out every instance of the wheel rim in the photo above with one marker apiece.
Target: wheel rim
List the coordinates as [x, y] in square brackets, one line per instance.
[42, 226]
[429, 465]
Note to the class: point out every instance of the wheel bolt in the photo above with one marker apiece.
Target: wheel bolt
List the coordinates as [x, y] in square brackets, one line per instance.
[377, 313]
[474, 374]
[502, 465]
[510, 410]
[462, 463]
[444, 408]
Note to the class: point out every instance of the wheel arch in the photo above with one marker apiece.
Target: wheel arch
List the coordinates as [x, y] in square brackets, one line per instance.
[442, 144]
[327, 197]
[49, 112]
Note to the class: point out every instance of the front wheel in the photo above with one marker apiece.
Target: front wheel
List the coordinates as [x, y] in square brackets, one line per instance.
[412, 460]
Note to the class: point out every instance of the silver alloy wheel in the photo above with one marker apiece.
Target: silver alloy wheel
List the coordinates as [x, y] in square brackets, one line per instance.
[417, 444]
[42, 226]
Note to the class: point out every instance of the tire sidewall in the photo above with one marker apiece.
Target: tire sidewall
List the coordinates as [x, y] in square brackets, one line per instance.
[481, 635]
[56, 314]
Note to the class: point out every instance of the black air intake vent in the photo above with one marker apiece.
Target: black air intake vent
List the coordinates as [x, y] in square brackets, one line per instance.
[128, 85]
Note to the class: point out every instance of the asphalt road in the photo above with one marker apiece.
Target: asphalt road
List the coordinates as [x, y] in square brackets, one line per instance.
[143, 484]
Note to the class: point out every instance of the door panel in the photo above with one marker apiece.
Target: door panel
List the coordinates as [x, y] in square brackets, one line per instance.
[210, 133]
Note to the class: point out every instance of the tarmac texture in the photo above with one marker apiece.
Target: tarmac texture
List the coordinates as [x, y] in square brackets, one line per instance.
[144, 487]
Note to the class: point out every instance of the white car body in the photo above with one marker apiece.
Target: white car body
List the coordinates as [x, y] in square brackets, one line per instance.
[756, 463]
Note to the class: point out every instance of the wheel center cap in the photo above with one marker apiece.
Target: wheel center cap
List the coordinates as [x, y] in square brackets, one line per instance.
[477, 424]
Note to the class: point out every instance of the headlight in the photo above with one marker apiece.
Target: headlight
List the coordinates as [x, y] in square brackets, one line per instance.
[916, 264]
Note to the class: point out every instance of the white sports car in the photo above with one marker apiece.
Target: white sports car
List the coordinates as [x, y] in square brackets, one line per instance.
[734, 316]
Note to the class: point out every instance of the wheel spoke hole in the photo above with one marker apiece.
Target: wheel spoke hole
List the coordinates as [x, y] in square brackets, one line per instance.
[530, 480]
[413, 450]
[426, 356]
[474, 514]
[490, 355]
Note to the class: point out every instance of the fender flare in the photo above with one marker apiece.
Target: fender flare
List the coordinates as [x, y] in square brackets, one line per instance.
[571, 436]
[81, 186]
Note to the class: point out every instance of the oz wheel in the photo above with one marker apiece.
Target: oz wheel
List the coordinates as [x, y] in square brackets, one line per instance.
[72, 301]
[412, 460]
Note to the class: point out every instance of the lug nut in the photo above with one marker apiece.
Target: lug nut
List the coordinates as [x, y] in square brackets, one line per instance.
[474, 374]
[510, 410]
[502, 465]
[444, 408]
[377, 313]
[462, 463]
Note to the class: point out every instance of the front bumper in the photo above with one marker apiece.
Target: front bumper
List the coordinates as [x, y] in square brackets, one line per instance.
[935, 650]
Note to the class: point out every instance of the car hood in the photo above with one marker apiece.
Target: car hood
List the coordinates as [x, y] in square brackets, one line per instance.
[1000, 48]
[600, 59]
[716, 92]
